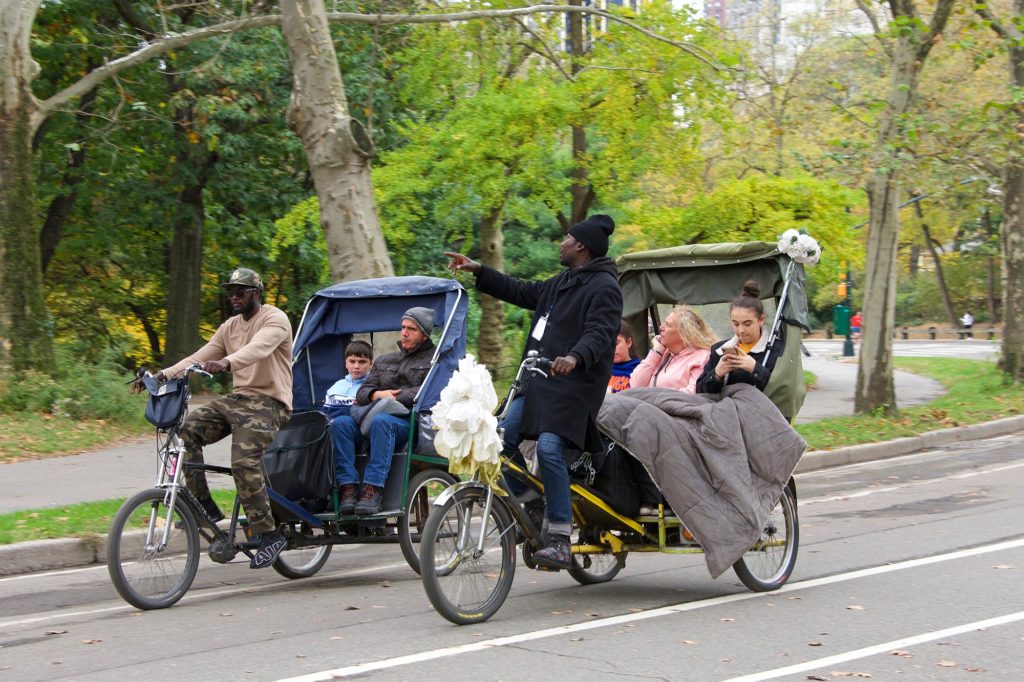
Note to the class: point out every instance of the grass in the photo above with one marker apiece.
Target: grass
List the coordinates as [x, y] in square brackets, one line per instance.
[74, 520]
[975, 393]
[33, 436]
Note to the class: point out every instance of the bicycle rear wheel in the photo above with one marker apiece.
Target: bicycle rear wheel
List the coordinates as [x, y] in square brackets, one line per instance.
[423, 489]
[301, 562]
[768, 564]
[148, 573]
[470, 580]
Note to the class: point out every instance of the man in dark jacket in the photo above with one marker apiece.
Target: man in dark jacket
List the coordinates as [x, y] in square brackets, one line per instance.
[397, 376]
[575, 321]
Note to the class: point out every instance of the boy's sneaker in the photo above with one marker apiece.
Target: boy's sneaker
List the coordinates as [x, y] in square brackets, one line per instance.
[348, 498]
[370, 500]
[271, 545]
[555, 555]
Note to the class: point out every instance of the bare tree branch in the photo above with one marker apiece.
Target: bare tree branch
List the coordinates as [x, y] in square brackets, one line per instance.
[875, 26]
[1004, 31]
[172, 41]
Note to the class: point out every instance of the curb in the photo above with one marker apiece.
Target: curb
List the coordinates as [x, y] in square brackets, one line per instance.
[48, 555]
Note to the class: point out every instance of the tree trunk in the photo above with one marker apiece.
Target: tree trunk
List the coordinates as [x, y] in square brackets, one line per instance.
[875, 387]
[1011, 359]
[337, 147]
[184, 274]
[25, 341]
[939, 277]
[581, 189]
[492, 311]
[991, 281]
[908, 51]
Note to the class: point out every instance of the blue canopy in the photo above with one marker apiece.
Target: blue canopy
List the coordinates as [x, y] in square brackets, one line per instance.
[334, 314]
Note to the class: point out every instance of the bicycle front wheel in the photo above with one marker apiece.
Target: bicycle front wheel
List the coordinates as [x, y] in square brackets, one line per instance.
[473, 556]
[148, 572]
[768, 564]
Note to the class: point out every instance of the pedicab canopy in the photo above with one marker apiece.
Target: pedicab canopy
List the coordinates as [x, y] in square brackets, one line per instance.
[333, 315]
[703, 274]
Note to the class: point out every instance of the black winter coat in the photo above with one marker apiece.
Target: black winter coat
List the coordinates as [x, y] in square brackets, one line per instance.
[404, 370]
[583, 308]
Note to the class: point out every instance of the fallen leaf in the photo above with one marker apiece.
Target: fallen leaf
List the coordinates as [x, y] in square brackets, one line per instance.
[385, 583]
[901, 652]
[560, 613]
[794, 598]
[725, 660]
[56, 632]
[814, 644]
[56, 662]
[575, 639]
[300, 655]
[946, 664]
[689, 641]
[377, 606]
[351, 608]
[594, 614]
[817, 678]
[276, 632]
[91, 641]
[975, 670]
[337, 637]
[728, 620]
[836, 673]
[853, 607]
[636, 610]
[226, 615]
[1003, 566]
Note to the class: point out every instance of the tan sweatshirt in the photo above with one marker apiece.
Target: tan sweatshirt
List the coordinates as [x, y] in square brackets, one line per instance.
[259, 350]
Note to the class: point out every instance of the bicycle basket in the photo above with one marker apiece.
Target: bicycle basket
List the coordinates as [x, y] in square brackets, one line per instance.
[167, 402]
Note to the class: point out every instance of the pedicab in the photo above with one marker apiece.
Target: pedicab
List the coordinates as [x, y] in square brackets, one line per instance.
[474, 529]
[154, 541]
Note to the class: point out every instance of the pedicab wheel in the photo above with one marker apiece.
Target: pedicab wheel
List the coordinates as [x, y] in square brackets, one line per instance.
[470, 579]
[423, 489]
[768, 564]
[591, 569]
[148, 573]
[301, 562]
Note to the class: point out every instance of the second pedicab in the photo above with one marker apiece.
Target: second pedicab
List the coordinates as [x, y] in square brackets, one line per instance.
[154, 542]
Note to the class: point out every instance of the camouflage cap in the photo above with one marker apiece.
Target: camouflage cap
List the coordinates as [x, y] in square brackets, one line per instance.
[244, 277]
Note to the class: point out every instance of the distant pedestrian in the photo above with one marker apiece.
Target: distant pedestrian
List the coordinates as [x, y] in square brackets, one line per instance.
[855, 325]
[967, 321]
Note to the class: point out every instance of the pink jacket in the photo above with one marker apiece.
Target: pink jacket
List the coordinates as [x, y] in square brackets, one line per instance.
[671, 371]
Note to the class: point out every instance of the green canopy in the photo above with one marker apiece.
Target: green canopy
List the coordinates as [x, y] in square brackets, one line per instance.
[709, 273]
[704, 274]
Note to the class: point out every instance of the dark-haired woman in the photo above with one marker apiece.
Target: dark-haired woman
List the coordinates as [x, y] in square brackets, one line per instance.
[740, 359]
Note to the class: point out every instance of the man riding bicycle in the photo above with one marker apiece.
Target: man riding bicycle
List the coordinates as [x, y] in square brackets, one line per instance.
[575, 321]
[255, 345]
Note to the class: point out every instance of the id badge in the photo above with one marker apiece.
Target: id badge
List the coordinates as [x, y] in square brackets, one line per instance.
[538, 331]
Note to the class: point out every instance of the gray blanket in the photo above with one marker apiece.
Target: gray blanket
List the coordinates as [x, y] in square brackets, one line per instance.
[720, 460]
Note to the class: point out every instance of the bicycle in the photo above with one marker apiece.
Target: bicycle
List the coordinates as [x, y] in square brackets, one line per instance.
[154, 541]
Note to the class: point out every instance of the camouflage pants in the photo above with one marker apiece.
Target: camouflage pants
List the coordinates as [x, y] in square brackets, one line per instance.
[252, 421]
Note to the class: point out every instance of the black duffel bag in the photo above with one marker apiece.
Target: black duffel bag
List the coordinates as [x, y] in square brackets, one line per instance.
[615, 481]
[300, 461]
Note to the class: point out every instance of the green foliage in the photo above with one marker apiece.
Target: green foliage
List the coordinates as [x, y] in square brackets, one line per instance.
[80, 390]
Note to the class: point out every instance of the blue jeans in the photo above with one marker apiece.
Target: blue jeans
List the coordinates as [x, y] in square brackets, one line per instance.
[387, 433]
[553, 471]
[555, 475]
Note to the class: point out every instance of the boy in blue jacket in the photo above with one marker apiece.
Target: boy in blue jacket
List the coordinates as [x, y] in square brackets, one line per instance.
[340, 398]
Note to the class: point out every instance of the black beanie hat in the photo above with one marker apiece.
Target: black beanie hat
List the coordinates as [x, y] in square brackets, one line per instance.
[593, 233]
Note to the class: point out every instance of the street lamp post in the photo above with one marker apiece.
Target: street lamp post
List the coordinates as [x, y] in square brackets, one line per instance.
[848, 344]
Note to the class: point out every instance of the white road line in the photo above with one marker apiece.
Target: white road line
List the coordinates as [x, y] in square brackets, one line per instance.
[885, 647]
[198, 596]
[362, 668]
[912, 484]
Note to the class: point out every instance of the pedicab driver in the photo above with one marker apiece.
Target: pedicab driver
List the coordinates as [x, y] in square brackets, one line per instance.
[255, 345]
[576, 320]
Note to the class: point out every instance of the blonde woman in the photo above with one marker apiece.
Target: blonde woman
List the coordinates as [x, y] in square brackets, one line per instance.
[679, 353]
